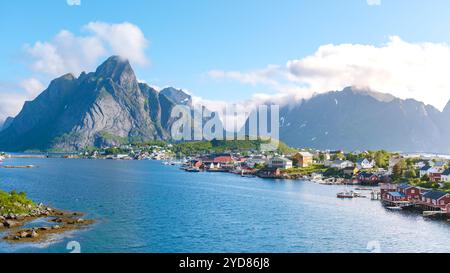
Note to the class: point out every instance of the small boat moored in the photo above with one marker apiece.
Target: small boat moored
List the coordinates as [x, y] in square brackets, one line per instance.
[345, 195]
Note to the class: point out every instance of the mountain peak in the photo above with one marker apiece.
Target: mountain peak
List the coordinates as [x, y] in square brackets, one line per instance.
[382, 97]
[177, 96]
[118, 69]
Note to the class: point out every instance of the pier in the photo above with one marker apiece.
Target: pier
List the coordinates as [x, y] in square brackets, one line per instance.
[375, 195]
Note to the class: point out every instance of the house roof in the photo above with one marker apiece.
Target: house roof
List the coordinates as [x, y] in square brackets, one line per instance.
[340, 161]
[367, 174]
[404, 186]
[439, 164]
[361, 160]
[425, 168]
[222, 159]
[446, 172]
[435, 195]
[282, 158]
[396, 194]
[305, 154]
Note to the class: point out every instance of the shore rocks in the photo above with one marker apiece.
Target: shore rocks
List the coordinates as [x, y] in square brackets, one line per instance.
[10, 223]
[63, 221]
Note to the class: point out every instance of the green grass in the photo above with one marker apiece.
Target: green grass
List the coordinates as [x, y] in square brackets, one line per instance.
[14, 202]
[316, 168]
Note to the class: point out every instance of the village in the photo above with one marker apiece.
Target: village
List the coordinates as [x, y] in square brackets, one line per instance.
[399, 181]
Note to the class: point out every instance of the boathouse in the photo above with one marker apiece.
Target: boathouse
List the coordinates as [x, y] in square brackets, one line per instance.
[411, 192]
[394, 196]
[435, 200]
[368, 178]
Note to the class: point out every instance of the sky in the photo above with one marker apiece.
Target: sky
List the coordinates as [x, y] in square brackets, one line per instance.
[231, 51]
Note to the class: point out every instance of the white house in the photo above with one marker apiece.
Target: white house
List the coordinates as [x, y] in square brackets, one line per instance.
[445, 176]
[420, 164]
[364, 163]
[253, 161]
[341, 164]
[280, 162]
[424, 170]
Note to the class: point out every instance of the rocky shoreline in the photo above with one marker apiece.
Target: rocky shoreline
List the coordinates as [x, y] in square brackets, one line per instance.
[59, 222]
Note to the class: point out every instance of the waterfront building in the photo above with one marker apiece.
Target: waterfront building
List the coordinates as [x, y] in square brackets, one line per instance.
[280, 162]
[303, 159]
[394, 196]
[436, 199]
[368, 178]
[341, 164]
[411, 192]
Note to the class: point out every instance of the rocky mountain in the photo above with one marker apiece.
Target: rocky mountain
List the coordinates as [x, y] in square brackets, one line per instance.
[355, 119]
[108, 106]
[6, 123]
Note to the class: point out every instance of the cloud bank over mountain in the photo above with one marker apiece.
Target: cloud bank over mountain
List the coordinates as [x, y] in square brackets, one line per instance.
[398, 67]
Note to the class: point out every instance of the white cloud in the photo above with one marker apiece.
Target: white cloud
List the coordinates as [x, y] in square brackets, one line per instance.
[124, 39]
[12, 96]
[74, 2]
[373, 2]
[67, 52]
[262, 76]
[403, 69]
[32, 87]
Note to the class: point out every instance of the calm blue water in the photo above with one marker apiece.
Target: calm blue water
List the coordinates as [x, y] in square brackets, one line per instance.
[144, 206]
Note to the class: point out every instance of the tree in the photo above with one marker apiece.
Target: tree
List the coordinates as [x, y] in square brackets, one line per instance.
[382, 158]
[411, 172]
[399, 169]
[425, 178]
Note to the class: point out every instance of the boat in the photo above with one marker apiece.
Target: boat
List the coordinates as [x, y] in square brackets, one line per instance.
[345, 195]
[192, 170]
[363, 189]
[394, 208]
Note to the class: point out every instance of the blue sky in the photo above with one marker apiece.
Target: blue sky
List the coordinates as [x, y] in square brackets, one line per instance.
[189, 39]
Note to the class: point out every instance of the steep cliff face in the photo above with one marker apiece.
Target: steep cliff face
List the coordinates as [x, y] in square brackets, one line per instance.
[6, 123]
[105, 107]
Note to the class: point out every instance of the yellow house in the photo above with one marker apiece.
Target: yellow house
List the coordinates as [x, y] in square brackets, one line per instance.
[303, 159]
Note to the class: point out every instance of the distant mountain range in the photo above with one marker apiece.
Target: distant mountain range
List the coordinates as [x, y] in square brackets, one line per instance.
[355, 119]
[109, 106]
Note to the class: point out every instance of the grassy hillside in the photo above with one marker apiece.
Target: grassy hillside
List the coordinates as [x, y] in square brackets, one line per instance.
[220, 146]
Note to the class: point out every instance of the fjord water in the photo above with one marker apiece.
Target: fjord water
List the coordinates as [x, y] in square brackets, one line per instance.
[144, 206]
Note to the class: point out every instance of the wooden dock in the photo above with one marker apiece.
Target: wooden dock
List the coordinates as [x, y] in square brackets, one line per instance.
[375, 195]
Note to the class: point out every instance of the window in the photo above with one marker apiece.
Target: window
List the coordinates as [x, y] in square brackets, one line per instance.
[413, 191]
